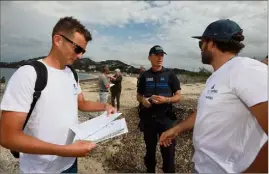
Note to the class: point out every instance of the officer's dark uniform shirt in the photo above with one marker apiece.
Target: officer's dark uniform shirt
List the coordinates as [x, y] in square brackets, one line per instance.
[163, 83]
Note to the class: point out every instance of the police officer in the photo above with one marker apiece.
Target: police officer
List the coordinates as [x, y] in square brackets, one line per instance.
[157, 89]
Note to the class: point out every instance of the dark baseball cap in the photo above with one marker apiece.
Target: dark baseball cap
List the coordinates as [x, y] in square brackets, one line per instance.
[221, 30]
[156, 50]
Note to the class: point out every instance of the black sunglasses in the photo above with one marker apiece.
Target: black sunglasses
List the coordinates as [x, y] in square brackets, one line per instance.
[200, 44]
[78, 48]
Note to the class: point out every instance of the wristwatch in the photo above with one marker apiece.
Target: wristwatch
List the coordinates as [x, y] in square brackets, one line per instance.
[169, 100]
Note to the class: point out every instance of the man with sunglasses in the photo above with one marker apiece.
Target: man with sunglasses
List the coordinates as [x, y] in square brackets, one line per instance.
[231, 122]
[44, 144]
[157, 89]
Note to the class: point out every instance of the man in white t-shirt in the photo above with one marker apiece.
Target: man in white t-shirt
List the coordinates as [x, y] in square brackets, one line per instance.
[44, 143]
[231, 121]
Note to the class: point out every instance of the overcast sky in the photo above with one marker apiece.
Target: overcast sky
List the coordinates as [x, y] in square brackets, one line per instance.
[126, 30]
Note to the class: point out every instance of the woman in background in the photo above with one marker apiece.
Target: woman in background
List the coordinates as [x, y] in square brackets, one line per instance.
[116, 88]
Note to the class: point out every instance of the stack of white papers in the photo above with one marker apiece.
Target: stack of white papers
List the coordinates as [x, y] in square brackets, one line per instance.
[113, 129]
[98, 129]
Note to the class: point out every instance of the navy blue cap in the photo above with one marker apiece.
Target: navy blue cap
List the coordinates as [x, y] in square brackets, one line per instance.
[221, 30]
[156, 50]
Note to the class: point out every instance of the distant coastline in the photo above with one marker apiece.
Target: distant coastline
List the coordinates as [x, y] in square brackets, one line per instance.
[85, 65]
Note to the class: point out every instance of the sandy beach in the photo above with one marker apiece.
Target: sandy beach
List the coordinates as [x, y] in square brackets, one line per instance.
[124, 154]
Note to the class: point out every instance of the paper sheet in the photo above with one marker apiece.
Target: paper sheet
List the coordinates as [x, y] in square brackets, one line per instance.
[124, 131]
[87, 128]
[110, 85]
[113, 129]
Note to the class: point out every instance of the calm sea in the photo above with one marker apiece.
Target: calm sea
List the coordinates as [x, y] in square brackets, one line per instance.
[7, 73]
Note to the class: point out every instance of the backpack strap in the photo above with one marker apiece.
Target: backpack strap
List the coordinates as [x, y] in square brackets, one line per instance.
[74, 72]
[40, 84]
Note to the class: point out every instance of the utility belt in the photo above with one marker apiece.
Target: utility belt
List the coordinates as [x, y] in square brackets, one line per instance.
[147, 115]
[103, 91]
[156, 112]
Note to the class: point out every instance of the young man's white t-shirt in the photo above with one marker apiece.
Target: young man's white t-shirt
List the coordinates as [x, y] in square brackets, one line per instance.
[55, 111]
[227, 137]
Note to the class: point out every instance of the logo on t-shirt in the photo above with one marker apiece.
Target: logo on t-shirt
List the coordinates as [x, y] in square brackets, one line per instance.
[210, 92]
[75, 88]
[213, 90]
[209, 97]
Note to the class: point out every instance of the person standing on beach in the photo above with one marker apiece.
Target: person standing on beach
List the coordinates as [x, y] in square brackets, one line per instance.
[157, 89]
[141, 70]
[104, 84]
[44, 144]
[231, 122]
[116, 88]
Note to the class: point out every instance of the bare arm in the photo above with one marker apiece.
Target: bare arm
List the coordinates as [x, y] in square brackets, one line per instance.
[12, 137]
[90, 106]
[176, 97]
[139, 97]
[161, 99]
[260, 164]
[167, 137]
[187, 124]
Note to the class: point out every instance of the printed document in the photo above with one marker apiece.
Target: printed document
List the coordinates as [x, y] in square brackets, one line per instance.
[98, 129]
[113, 129]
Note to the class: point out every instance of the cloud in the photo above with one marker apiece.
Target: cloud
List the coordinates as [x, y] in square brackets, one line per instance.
[26, 28]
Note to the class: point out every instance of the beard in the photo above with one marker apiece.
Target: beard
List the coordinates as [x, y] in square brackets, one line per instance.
[207, 57]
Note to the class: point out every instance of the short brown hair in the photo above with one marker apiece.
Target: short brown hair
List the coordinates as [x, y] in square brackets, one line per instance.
[234, 45]
[68, 26]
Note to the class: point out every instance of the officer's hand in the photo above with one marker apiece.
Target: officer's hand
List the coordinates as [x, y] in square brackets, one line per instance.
[146, 103]
[156, 99]
[167, 137]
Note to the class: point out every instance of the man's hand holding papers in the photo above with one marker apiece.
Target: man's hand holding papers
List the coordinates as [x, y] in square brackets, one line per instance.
[78, 149]
[110, 109]
[99, 128]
